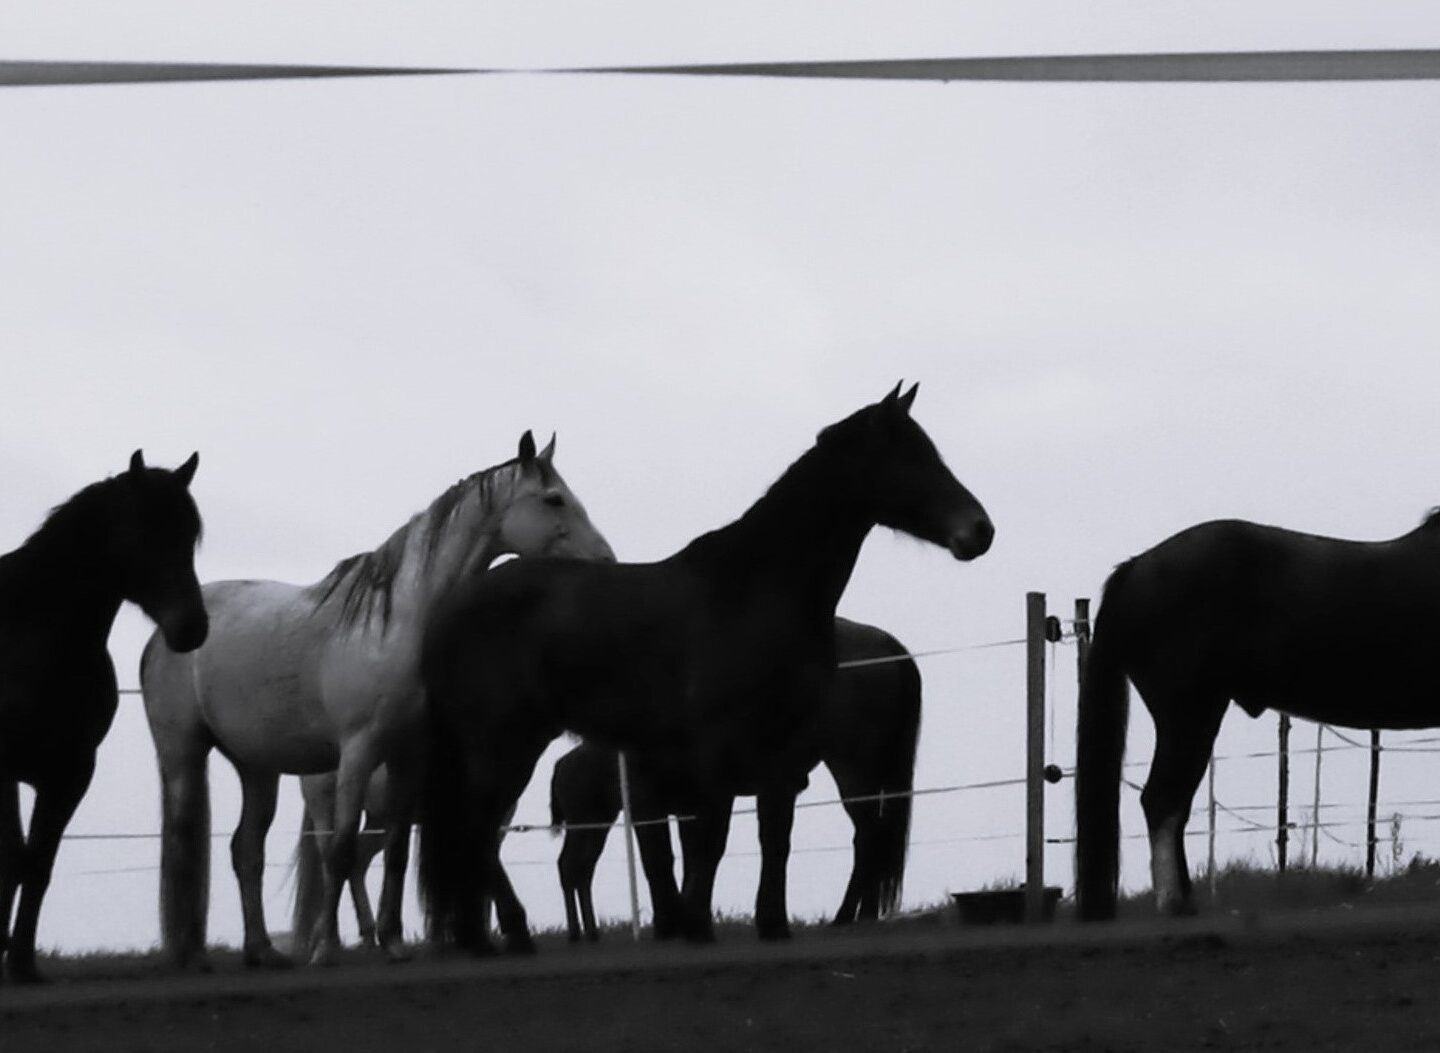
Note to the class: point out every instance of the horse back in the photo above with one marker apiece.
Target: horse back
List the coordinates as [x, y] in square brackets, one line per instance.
[648, 657]
[872, 713]
[1274, 618]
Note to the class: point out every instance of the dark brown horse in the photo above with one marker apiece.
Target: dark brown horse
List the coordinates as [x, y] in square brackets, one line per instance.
[867, 737]
[131, 537]
[1341, 632]
[713, 665]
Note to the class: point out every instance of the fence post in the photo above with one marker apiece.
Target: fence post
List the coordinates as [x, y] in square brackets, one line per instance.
[1315, 812]
[1210, 853]
[1370, 806]
[1035, 756]
[630, 847]
[1282, 820]
[1082, 636]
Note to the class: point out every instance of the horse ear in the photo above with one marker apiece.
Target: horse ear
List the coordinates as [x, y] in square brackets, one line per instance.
[908, 399]
[186, 471]
[548, 453]
[137, 462]
[894, 394]
[527, 449]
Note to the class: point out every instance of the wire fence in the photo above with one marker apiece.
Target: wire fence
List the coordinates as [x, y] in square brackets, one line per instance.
[1337, 821]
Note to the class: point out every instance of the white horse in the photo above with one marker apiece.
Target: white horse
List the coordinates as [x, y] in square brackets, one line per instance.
[301, 679]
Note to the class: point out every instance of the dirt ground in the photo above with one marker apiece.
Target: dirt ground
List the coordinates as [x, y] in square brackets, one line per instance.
[1338, 980]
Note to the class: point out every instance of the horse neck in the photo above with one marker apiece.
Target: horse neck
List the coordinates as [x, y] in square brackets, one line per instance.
[803, 536]
[60, 571]
[458, 531]
[463, 533]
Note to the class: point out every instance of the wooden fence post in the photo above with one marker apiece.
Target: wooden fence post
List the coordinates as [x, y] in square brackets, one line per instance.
[1035, 756]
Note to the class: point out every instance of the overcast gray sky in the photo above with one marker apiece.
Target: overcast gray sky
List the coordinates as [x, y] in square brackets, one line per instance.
[1130, 308]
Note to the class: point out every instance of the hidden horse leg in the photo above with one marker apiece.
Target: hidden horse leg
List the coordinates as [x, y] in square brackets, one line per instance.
[401, 791]
[247, 855]
[775, 811]
[1184, 739]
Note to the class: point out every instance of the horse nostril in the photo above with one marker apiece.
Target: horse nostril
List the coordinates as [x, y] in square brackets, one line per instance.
[973, 542]
[984, 534]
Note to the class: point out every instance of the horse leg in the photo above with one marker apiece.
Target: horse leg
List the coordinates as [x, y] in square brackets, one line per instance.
[651, 808]
[775, 813]
[247, 856]
[369, 843]
[55, 804]
[12, 856]
[509, 911]
[1184, 739]
[183, 753]
[851, 901]
[578, 856]
[358, 762]
[398, 813]
[657, 857]
[318, 792]
[569, 886]
[703, 842]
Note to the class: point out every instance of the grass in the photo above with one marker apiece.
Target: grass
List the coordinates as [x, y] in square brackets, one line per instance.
[1250, 886]
[1241, 887]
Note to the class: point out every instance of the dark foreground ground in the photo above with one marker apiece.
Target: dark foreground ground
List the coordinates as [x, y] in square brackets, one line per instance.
[1336, 980]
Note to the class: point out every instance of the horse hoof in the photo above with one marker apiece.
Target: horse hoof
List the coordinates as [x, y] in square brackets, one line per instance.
[1178, 908]
[773, 932]
[397, 953]
[24, 973]
[198, 964]
[519, 945]
[267, 958]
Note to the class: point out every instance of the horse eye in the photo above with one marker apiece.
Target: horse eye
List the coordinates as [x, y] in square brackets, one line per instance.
[555, 500]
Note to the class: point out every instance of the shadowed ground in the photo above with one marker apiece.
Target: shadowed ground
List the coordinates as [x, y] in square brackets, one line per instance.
[1337, 979]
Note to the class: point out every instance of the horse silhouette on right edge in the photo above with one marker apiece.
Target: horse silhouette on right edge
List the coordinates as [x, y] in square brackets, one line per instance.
[1340, 632]
[711, 666]
[868, 732]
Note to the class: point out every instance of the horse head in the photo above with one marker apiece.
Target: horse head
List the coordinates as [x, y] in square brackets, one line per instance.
[543, 516]
[901, 477]
[155, 529]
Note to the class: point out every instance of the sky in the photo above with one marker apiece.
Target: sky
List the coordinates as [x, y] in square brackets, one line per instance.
[1130, 308]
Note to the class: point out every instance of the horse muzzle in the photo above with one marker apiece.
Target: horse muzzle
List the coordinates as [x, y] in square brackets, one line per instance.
[972, 541]
[185, 633]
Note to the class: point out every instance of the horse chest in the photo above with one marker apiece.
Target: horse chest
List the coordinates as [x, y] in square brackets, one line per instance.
[45, 725]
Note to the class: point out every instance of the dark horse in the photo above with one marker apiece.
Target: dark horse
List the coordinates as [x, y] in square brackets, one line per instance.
[1341, 632]
[131, 537]
[867, 735]
[713, 665]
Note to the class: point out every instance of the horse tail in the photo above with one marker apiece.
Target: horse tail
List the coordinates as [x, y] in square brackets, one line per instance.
[557, 816]
[893, 829]
[309, 884]
[1104, 711]
[182, 752]
[447, 849]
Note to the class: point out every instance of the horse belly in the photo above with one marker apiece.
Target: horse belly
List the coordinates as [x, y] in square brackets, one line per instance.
[256, 684]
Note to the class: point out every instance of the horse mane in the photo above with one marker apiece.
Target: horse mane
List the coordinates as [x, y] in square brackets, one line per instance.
[364, 583]
[1431, 520]
[71, 519]
[813, 471]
